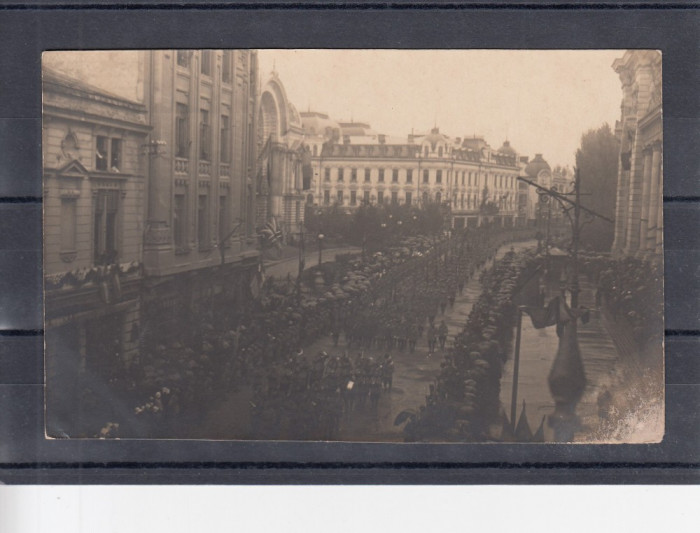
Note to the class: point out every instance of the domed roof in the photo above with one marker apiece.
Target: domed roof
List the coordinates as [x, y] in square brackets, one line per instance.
[537, 165]
[316, 123]
[356, 129]
[435, 137]
[507, 149]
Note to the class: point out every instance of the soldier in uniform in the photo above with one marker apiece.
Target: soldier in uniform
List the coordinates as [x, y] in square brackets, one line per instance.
[432, 339]
[412, 335]
[442, 334]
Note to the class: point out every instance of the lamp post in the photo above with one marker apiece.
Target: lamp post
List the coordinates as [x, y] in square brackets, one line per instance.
[320, 237]
[567, 379]
[302, 250]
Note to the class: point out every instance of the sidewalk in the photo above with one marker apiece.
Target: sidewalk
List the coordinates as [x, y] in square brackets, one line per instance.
[538, 349]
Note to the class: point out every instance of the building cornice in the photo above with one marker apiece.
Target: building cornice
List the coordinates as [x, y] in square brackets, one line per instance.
[52, 112]
[75, 90]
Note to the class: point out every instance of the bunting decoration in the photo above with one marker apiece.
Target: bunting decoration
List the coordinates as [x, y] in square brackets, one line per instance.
[523, 433]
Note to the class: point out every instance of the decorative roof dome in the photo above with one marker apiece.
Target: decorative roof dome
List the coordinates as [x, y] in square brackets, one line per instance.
[537, 165]
[356, 129]
[507, 149]
[316, 123]
[435, 136]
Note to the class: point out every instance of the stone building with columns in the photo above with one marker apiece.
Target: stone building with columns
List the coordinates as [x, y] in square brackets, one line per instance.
[170, 137]
[201, 161]
[639, 208]
[353, 164]
[93, 198]
[280, 151]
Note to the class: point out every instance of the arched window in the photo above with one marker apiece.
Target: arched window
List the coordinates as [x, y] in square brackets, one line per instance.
[438, 197]
[440, 151]
[425, 152]
[315, 150]
[426, 197]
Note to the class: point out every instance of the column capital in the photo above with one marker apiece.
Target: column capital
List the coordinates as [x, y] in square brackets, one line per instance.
[656, 145]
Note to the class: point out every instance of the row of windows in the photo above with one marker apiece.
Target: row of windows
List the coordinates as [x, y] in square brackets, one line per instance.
[206, 65]
[467, 178]
[380, 198]
[469, 202]
[367, 198]
[182, 135]
[203, 237]
[106, 226]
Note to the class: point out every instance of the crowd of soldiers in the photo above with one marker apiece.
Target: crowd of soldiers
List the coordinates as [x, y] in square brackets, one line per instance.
[632, 291]
[411, 302]
[306, 397]
[297, 395]
[464, 401]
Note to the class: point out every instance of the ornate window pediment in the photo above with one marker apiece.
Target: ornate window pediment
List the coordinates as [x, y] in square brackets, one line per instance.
[72, 169]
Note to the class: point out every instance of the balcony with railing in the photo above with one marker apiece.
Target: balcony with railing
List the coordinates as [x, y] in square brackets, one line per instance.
[182, 165]
[204, 168]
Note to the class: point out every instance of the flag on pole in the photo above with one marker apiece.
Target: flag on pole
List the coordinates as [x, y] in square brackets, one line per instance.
[271, 234]
[543, 317]
[539, 434]
[523, 433]
[506, 428]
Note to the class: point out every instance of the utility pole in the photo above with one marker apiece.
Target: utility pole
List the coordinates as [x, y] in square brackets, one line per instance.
[576, 235]
[567, 379]
[302, 250]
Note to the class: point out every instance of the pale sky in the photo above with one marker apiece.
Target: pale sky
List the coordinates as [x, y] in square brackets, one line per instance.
[542, 101]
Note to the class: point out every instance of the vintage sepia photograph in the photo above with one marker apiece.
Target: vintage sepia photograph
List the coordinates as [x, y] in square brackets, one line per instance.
[402, 246]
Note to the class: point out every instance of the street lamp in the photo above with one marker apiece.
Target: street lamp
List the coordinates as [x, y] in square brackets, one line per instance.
[302, 250]
[321, 236]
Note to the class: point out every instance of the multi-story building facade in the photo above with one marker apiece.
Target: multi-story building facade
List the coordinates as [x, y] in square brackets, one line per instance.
[160, 179]
[280, 156]
[638, 212]
[199, 239]
[94, 190]
[538, 171]
[201, 105]
[353, 164]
